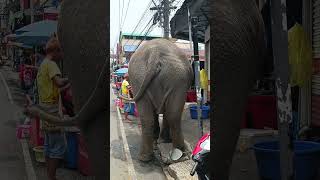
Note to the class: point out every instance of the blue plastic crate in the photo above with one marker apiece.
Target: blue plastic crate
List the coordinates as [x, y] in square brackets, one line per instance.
[204, 113]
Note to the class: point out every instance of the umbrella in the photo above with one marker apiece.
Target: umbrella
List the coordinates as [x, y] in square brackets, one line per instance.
[42, 26]
[33, 37]
[121, 72]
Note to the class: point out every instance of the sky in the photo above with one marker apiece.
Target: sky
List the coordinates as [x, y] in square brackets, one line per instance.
[135, 10]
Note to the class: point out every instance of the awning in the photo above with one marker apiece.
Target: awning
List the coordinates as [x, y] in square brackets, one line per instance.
[179, 23]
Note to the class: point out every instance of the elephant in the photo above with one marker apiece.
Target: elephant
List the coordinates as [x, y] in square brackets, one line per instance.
[160, 75]
[83, 32]
[238, 54]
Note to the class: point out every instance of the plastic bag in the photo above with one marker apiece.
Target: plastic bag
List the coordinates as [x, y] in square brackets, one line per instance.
[300, 56]
[203, 79]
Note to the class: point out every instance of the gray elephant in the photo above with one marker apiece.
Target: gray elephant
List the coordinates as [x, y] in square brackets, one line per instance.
[83, 31]
[238, 51]
[160, 75]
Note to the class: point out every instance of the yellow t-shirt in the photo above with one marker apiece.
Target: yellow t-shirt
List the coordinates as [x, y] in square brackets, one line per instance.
[124, 88]
[48, 91]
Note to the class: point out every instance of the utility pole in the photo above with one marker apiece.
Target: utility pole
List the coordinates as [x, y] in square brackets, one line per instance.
[281, 62]
[32, 11]
[164, 11]
[166, 14]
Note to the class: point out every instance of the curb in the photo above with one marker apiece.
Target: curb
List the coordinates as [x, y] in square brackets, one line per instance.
[7, 88]
[131, 170]
[31, 175]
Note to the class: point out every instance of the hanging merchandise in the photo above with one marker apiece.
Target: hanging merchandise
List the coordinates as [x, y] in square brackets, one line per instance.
[300, 56]
[203, 79]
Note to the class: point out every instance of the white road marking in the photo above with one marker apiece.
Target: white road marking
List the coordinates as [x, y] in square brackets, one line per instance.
[131, 170]
[31, 175]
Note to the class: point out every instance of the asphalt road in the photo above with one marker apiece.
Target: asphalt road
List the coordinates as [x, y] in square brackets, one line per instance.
[143, 171]
[11, 155]
[118, 163]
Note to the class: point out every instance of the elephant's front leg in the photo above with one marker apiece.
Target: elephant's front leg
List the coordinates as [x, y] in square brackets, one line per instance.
[97, 148]
[147, 116]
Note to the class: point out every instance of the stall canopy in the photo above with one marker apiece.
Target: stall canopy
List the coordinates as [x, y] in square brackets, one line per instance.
[121, 72]
[179, 23]
[42, 26]
[36, 33]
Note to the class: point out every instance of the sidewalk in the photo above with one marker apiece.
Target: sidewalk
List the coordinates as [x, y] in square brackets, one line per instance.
[12, 79]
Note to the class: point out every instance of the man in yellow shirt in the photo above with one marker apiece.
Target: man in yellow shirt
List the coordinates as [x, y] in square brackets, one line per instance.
[49, 81]
[125, 88]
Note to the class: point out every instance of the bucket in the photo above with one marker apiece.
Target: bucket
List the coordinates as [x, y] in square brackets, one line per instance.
[71, 155]
[306, 160]
[39, 154]
[204, 112]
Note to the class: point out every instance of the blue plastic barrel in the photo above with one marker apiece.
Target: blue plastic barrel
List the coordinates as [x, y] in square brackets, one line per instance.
[306, 160]
[71, 155]
[204, 113]
[132, 106]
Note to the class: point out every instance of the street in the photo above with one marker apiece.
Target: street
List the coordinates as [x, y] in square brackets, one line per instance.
[118, 165]
[11, 154]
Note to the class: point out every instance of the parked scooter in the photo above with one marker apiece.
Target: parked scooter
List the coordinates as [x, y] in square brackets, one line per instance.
[200, 156]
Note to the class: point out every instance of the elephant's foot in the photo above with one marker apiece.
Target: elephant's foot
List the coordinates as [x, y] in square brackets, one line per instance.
[146, 157]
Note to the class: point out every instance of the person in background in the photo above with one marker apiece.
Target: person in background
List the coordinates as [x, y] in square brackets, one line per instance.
[49, 80]
[125, 88]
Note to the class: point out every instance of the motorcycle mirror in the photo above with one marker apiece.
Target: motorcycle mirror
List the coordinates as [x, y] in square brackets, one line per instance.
[175, 154]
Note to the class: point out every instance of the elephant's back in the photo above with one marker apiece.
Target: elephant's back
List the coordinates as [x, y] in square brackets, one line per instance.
[84, 35]
[171, 62]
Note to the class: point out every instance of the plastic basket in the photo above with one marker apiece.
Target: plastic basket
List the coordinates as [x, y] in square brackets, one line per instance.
[204, 112]
[39, 154]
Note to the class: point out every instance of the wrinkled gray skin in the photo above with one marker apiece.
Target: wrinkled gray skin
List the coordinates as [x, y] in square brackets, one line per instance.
[160, 75]
[237, 36]
[83, 32]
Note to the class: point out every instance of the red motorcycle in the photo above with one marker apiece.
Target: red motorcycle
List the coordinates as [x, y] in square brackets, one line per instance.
[200, 156]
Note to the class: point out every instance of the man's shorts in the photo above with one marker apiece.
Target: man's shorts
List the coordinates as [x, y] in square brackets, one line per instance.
[127, 107]
[55, 145]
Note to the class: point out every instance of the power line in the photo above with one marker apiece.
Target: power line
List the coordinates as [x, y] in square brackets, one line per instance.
[126, 13]
[121, 13]
[140, 20]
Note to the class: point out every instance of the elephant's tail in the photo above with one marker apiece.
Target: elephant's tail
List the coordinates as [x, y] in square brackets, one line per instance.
[153, 68]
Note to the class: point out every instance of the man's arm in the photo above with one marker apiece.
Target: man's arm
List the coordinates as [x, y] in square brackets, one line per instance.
[59, 81]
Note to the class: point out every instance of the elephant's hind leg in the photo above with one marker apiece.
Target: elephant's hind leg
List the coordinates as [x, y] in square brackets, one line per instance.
[173, 113]
[165, 136]
[146, 111]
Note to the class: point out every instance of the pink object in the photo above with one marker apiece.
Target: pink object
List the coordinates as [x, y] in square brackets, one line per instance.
[23, 131]
[84, 166]
[191, 96]
[136, 110]
[36, 136]
[197, 147]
